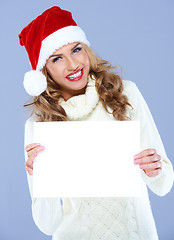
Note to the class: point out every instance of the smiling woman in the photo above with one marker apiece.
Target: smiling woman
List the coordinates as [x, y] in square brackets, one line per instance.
[69, 67]
[69, 82]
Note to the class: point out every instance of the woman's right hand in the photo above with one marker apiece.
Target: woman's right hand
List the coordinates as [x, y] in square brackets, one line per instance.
[32, 151]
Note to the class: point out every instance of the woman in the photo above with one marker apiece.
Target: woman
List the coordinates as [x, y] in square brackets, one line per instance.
[69, 82]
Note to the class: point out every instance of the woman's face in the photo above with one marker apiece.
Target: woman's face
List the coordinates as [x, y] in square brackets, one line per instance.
[69, 68]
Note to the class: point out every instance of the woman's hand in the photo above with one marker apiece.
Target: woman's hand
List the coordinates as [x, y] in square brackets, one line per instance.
[149, 161]
[32, 151]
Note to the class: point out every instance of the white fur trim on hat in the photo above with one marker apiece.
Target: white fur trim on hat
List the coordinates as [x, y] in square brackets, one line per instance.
[57, 40]
[35, 82]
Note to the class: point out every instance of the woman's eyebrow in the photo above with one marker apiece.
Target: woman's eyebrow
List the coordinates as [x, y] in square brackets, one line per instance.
[59, 55]
[56, 55]
[75, 46]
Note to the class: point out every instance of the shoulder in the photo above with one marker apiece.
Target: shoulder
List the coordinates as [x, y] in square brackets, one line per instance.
[131, 90]
[128, 86]
[31, 120]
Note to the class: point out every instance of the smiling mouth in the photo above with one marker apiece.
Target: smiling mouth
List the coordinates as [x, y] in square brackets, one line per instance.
[76, 76]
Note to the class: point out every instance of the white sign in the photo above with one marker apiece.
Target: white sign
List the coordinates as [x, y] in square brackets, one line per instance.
[87, 159]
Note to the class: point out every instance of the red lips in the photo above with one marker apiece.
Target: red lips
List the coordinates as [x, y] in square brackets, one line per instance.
[77, 78]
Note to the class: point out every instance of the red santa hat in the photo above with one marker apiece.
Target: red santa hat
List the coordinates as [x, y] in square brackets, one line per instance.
[50, 31]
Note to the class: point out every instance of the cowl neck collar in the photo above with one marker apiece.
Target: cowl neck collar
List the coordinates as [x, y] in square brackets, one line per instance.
[81, 105]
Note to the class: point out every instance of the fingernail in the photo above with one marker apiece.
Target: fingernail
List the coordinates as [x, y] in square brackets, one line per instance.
[37, 144]
[135, 157]
[136, 161]
[42, 147]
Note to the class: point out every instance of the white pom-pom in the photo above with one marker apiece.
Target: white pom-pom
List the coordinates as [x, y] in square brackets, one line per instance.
[35, 82]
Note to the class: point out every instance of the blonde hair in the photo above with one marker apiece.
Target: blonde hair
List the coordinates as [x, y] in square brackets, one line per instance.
[109, 87]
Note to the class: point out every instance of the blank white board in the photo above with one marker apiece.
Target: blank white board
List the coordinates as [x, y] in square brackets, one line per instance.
[87, 159]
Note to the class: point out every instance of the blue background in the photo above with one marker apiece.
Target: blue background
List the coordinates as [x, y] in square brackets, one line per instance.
[139, 36]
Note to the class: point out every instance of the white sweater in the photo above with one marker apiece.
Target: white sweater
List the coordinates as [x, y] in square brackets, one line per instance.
[104, 218]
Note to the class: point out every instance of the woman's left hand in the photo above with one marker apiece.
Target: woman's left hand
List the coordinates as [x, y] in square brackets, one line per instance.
[149, 161]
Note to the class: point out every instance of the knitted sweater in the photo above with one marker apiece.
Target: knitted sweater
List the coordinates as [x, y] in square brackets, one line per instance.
[126, 218]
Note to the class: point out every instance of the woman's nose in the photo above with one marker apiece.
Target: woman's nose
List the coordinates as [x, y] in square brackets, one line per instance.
[72, 64]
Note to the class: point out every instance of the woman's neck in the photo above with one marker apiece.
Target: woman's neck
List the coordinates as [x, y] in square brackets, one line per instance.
[68, 94]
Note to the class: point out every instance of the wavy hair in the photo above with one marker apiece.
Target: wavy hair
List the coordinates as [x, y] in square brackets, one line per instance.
[109, 87]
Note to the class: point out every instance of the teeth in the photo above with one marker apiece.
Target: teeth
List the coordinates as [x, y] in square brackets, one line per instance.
[75, 75]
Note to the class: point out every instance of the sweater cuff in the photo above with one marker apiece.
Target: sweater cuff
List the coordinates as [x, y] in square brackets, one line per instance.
[163, 182]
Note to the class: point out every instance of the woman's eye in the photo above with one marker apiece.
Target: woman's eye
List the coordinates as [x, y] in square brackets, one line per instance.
[77, 49]
[56, 59]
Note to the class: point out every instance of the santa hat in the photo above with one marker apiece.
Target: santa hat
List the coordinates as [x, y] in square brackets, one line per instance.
[50, 31]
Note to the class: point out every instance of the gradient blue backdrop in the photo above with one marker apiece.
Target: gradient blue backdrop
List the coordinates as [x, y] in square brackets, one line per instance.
[139, 36]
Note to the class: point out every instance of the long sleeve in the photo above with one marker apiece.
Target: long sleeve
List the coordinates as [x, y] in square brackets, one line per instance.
[150, 138]
[47, 212]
